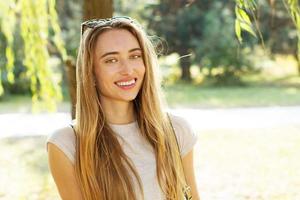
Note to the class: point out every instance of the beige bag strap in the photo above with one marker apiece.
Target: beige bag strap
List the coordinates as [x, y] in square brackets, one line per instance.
[186, 189]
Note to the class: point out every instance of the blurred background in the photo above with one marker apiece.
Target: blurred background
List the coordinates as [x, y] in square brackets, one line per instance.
[230, 67]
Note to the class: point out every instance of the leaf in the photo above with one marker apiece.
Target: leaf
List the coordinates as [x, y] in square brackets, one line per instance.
[57, 31]
[247, 28]
[35, 33]
[238, 30]
[8, 21]
[10, 64]
[244, 16]
[242, 22]
[1, 87]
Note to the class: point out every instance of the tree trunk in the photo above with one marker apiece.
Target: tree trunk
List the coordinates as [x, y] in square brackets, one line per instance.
[70, 68]
[97, 9]
[296, 56]
[92, 9]
[185, 64]
[298, 64]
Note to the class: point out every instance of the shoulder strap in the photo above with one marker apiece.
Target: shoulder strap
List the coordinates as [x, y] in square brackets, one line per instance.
[186, 189]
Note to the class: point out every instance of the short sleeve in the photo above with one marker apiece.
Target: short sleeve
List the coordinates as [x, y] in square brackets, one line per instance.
[64, 138]
[186, 137]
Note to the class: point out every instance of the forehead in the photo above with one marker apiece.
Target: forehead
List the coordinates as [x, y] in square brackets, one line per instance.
[116, 40]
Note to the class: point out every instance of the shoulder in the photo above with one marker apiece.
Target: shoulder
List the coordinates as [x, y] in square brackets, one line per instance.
[61, 154]
[184, 132]
[65, 139]
[179, 122]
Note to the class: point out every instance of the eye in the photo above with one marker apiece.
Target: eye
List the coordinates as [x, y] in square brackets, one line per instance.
[111, 60]
[136, 56]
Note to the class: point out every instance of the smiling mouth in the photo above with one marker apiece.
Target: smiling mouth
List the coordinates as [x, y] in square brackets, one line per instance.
[126, 84]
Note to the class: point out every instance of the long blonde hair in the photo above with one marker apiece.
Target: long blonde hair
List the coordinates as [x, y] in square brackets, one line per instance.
[102, 168]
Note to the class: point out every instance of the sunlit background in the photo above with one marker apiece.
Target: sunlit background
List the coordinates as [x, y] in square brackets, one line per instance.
[230, 68]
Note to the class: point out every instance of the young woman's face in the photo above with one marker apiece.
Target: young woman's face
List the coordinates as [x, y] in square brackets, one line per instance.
[118, 65]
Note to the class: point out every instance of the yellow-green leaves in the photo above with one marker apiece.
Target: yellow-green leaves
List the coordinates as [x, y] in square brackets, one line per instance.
[242, 22]
[54, 23]
[238, 31]
[34, 30]
[7, 24]
[36, 18]
[293, 7]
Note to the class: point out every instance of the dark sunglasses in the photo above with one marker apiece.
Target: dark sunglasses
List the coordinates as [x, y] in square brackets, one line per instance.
[95, 23]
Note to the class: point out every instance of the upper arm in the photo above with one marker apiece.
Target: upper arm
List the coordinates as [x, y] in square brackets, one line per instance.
[189, 172]
[63, 173]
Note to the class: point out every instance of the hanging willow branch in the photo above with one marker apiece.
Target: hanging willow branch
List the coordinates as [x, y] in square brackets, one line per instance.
[36, 18]
[243, 22]
[294, 10]
[7, 24]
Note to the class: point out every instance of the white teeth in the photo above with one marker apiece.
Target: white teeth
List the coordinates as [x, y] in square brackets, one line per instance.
[126, 83]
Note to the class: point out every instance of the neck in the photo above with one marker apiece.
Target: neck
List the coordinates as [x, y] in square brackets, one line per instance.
[118, 112]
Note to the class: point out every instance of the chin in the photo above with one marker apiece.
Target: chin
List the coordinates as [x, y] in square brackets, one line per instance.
[129, 98]
[126, 97]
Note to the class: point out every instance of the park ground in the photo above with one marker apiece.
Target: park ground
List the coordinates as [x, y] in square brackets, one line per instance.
[247, 149]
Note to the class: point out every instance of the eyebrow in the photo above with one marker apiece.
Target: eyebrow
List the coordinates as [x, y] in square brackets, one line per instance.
[116, 52]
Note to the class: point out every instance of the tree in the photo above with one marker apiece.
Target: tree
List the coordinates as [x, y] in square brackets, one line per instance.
[217, 50]
[94, 9]
[185, 26]
[39, 25]
[180, 25]
[203, 29]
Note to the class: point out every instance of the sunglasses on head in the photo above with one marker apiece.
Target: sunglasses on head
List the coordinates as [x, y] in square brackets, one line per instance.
[95, 23]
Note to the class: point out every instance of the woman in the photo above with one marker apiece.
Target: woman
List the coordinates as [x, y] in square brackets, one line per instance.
[122, 145]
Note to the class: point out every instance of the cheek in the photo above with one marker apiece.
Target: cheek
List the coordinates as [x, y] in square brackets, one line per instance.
[142, 70]
[101, 73]
[101, 77]
[98, 76]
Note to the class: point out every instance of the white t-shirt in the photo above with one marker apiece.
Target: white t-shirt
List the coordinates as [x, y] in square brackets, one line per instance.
[136, 148]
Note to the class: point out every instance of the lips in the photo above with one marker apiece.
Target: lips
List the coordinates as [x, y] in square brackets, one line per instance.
[126, 83]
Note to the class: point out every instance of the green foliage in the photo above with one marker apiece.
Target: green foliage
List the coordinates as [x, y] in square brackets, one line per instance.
[56, 29]
[255, 94]
[37, 19]
[132, 8]
[242, 21]
[7, 24]
[294, 9]
[275, 22]
[204, 29]
[70, 17]
[178, 25]
[21, 83]
[218, 50]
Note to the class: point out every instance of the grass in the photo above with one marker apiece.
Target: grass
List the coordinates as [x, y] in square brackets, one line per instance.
[281, 92]
[22, 104]
[231, 164]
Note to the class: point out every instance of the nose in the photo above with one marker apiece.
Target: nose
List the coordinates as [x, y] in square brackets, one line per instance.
[126, 68]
